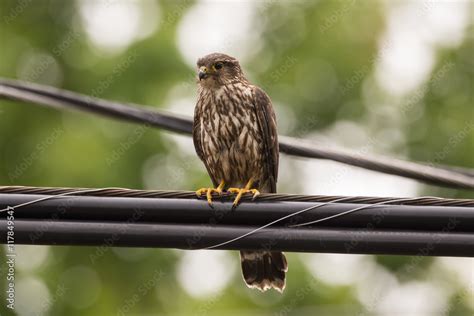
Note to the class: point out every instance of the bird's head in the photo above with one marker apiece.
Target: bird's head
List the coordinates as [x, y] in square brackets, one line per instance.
[218, 69]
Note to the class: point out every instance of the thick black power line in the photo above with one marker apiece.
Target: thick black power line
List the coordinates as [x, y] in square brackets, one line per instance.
[266, 197]
[194, 211]
[176, 221]
[62, 99]
[188, 236]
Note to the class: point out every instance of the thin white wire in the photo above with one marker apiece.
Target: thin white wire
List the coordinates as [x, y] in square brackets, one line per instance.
[49, 197]
[319, 220]
[362, 208]
[276, 221]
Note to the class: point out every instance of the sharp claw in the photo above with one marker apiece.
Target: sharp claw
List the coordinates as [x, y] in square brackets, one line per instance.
[209, 197]
[240, 193]
[208, 192]
[255, 194]
[237, 200]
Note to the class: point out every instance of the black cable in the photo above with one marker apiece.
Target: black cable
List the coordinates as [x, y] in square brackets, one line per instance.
[62, 99]
[263, 197]
[193, 211]
[189, 223]
[189, 236]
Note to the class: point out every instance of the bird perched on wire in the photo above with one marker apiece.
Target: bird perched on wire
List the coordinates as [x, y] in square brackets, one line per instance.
[235, 135]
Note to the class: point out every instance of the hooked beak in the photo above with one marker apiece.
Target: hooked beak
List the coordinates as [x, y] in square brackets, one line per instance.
[202, 74]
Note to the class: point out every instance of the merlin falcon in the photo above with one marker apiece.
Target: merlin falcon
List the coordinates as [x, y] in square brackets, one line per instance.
[235, 135]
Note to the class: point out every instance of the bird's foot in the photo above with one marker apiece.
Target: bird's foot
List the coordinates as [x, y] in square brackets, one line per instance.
[210, 191]
[242, 191]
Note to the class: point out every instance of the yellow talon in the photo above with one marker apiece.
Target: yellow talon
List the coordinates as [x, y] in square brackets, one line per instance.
[242, 191]
[209, 192]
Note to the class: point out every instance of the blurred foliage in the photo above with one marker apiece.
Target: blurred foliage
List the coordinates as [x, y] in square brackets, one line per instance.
[305, 61]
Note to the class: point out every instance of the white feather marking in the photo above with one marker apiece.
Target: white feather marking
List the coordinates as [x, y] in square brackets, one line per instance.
[235, 120]
[217, 120]
[242, 135]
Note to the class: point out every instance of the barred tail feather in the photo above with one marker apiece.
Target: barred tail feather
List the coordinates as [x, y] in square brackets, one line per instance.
[264, 270]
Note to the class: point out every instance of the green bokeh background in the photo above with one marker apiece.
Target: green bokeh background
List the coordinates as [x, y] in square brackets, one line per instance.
[309, 42]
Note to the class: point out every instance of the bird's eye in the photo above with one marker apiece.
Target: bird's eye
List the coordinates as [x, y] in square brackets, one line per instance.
[218, 66]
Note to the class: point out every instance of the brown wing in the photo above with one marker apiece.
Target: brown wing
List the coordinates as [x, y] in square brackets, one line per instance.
[197, 133]
[267, 122]
[198, 141]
